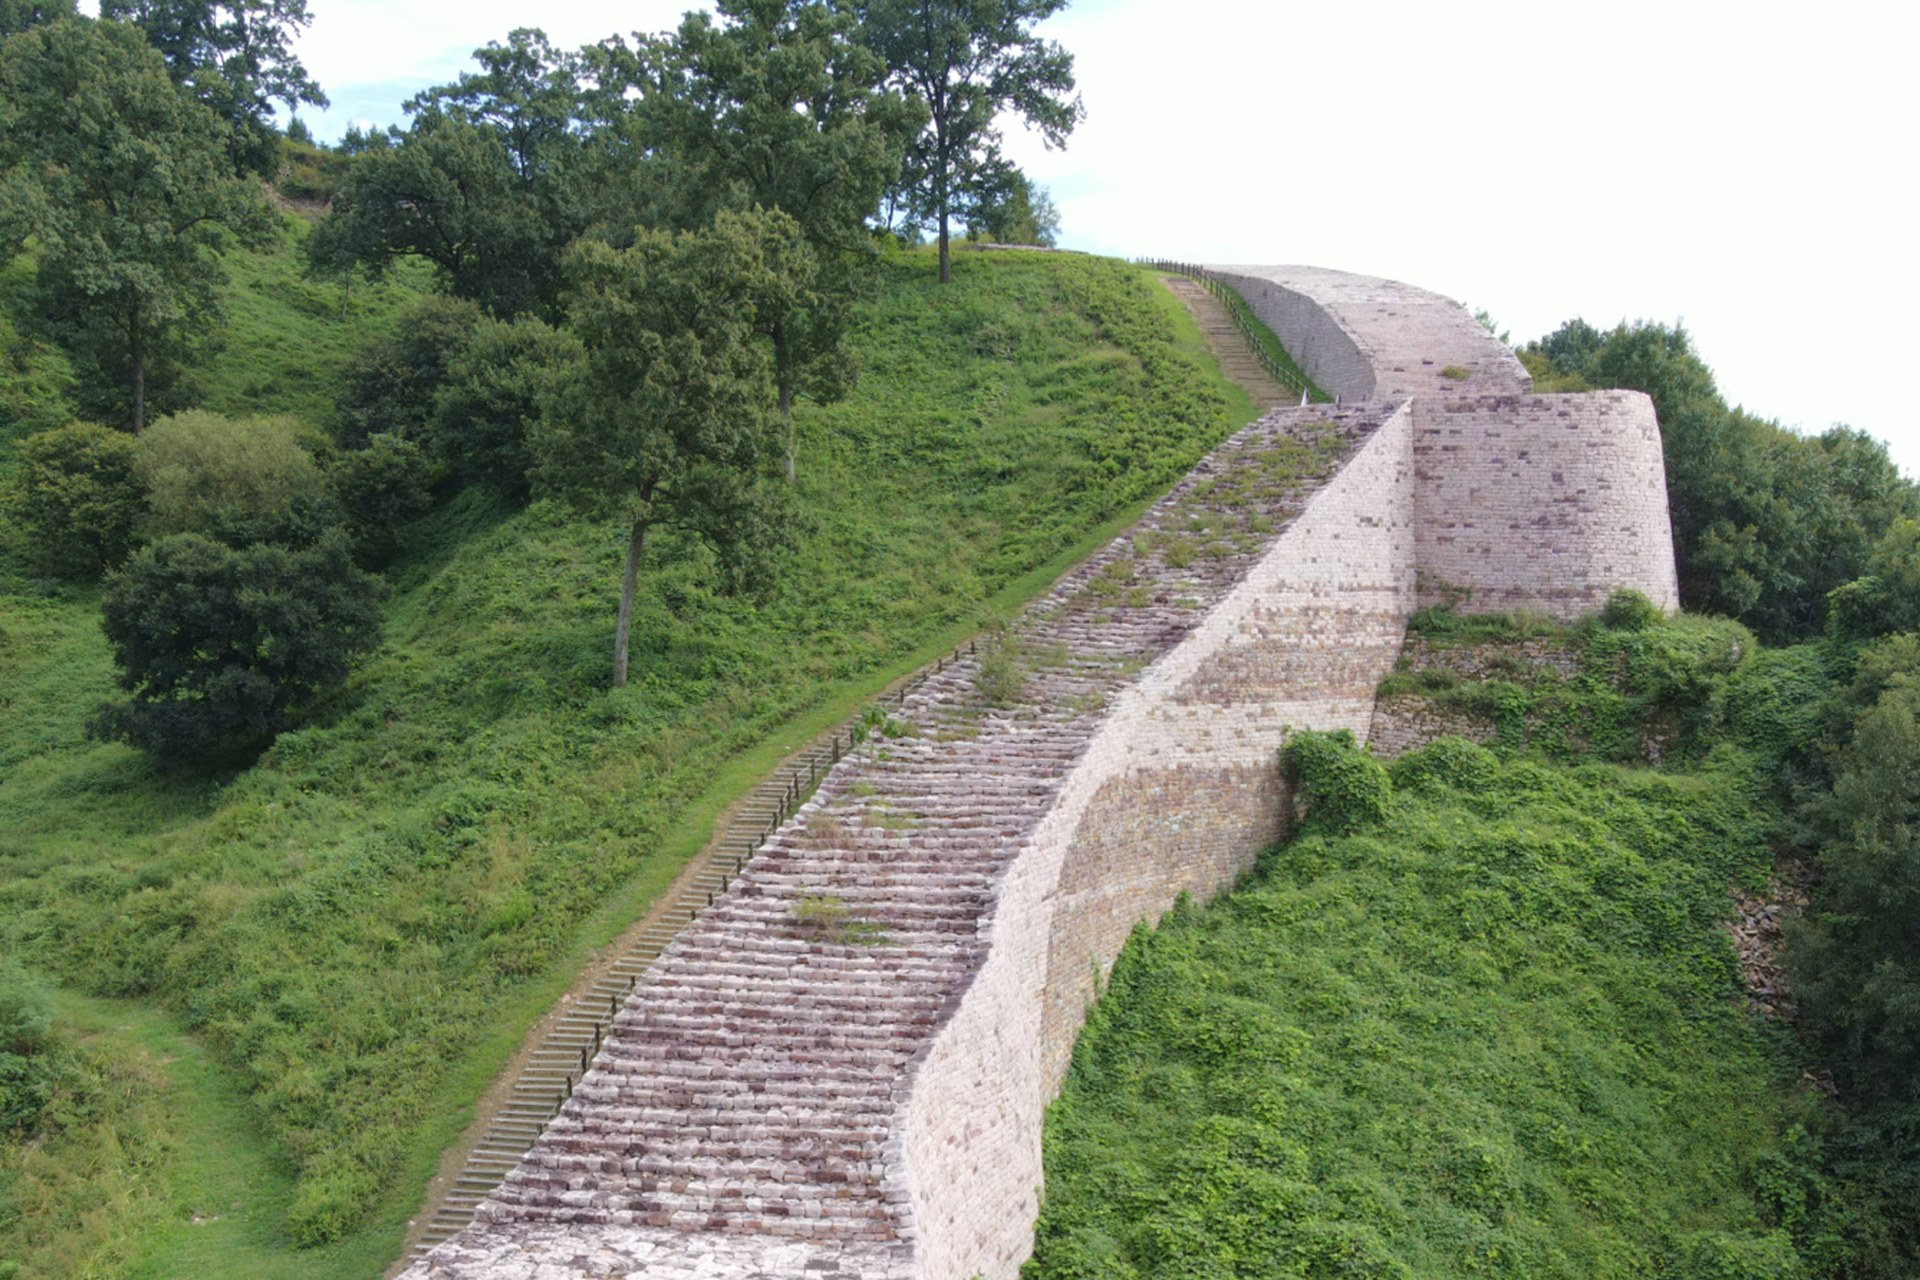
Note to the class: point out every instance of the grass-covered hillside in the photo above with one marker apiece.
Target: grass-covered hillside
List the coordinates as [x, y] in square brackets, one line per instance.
[349, 937]
[1479, 1016]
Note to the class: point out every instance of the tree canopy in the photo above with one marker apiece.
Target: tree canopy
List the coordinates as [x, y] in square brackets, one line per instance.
[483, 183]
[969, 61]
[221, 649]
[672, 423]
[126, 188]
[233, 56]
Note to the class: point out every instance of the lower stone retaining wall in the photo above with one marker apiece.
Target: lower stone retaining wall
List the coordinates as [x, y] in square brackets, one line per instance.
[1410, 721]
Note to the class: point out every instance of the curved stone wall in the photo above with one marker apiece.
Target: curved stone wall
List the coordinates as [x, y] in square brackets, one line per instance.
[1176, 793]
[1365, 338]
[841, 1068]
[1542, 502]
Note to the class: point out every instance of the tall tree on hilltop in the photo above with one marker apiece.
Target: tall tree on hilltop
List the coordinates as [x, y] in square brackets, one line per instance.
[235, 57]
[777, 106]
[126, 187]
[969, 61]
[672, 423]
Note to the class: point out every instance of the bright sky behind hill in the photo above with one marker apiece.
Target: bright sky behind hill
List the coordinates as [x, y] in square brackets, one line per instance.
[1749, 167]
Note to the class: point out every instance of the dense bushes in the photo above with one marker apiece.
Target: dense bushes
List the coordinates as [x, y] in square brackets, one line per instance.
[1486, 1033]
[26, 1043]
[76, 499]
[236, 481]
[223, 648]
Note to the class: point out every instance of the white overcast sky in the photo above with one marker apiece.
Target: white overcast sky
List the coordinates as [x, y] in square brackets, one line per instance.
[1749, 167]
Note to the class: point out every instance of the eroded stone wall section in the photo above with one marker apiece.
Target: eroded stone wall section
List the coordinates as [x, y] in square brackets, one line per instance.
[1543, 502]
[1177, 792]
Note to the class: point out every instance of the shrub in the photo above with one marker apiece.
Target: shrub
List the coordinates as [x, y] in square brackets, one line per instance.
[26, 1041]
[378, 489]
[1628, 610]
[76, 498]
[222, 648]
[391, 386]
[1339, 785]
[496, 385]
[1000, 681]
[1447, 763]
[236, 480]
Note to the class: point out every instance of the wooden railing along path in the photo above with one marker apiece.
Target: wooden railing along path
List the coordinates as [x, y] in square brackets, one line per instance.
[1286, 373]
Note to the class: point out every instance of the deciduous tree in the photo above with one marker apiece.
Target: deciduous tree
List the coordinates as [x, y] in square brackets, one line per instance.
[969, 61]
[235, 57]
[125, 188]
[672, 423]
[481, 184]
[776, 105]
[221, 649]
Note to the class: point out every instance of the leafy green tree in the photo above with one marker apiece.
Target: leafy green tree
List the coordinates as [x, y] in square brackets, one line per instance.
[482, 184]
[498, 383]
[1011, 210]
[18, 15]
[125, 187]
[672, 422]
[238, 481]
[777, 106]
[380, 488]
[1886, 599]
[221, 649]
[1856, 959]
[969, 62]
[392, 385]
[77, 499]
[234, 57]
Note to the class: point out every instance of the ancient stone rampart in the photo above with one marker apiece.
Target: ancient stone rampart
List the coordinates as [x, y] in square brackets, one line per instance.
[1524, 501]
[840, 1069]
[1542, 502]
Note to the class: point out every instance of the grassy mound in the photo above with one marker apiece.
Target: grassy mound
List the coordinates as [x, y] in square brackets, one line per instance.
[1493, 1033]
[361, 927]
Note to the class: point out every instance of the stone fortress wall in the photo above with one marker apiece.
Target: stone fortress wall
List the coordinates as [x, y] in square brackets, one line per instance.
[841, 1068]
[1541, 502]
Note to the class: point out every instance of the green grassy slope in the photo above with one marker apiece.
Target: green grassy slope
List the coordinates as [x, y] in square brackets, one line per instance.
[1496, 1031]
[360, 928]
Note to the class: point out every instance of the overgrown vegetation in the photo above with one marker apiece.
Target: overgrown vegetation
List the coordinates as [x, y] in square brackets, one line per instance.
[1489, 1031]
[350, 921]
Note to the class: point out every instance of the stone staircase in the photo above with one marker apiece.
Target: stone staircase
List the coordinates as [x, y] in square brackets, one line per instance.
[1237, 360]
[745, 1093]
[562, 1057]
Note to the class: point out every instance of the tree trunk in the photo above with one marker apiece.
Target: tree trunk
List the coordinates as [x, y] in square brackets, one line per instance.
[946, 258]
[636, 546]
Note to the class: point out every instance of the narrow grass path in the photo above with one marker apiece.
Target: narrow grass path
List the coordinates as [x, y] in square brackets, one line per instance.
[217, 1207]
